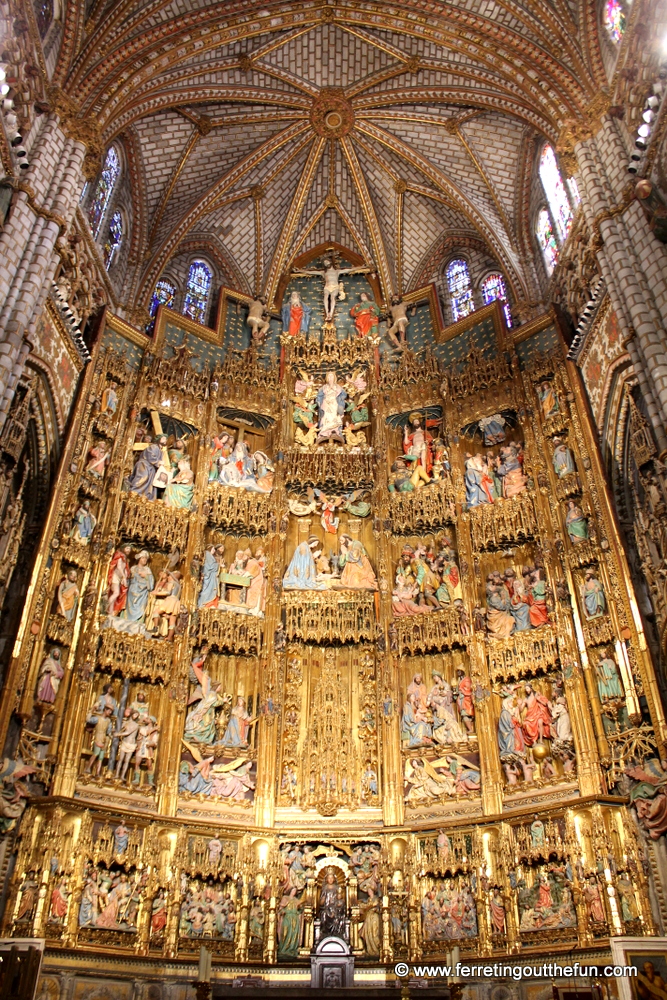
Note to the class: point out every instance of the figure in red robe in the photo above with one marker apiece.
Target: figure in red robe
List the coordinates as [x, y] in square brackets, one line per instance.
[296, 316]
[118, 580]
[536, 722]
[365, 315]
[544, 898]
[464, 700]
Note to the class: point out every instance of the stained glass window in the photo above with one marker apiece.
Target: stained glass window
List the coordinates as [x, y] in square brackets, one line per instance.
[460, 292]
[162, 296]
[113, 240]
[554, 189]
[574, 190]
[614, 20]
[547, 240]
[493, 288]
[197, 291]
[103, 191]
[43, 16]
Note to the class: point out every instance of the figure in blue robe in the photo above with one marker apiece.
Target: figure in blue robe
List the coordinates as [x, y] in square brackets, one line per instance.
[562, 459]
[478, 483]
[143, 474]
[507, 735]
[593, 595]
[296, 315]
[301, 573]
[121, 837]
[88, 899]
[493, 429]
[190, 779]
[138, 591]
[519, 607]
[209, 587]
[84, 521]
[414, 728]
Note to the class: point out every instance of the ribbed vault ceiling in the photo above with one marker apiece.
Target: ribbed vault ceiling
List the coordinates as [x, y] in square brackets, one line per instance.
[266, 129]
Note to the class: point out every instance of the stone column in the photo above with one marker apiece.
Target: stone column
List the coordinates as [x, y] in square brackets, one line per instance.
[43, 205]
[630, 260]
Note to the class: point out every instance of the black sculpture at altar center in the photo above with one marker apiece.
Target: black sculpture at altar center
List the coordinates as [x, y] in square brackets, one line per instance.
[332, 908]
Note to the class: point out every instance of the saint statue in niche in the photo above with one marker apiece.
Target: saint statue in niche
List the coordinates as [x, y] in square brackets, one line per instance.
[562, 459]
[332, 908]
[608, 679]
[109, 401]
[331, 406]
[50, 675]
[593, 595]
[68, 595]
[548, 399]
[576, 523]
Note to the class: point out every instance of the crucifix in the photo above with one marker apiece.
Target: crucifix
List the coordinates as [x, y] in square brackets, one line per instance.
[330, 275]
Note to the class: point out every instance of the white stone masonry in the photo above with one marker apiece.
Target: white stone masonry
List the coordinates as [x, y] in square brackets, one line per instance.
[27, 245]
[632, 263]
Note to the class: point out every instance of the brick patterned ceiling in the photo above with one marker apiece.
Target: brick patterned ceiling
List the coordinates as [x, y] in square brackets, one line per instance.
[269, 128]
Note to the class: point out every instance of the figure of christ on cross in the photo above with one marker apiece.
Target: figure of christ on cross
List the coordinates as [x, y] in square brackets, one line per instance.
[330, 276]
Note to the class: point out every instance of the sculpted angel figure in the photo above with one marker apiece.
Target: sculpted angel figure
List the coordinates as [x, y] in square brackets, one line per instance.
[331, 277]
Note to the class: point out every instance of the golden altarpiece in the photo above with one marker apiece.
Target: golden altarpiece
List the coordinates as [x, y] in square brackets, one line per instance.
[328, 636]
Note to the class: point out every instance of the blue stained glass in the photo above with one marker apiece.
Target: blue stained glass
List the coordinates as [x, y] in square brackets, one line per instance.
[554, 189]
[547, 240]
[43, 16]
[458, 282]
[163, 295]
[197, 291]
[493, 288]
[104, 190]
[113, 240]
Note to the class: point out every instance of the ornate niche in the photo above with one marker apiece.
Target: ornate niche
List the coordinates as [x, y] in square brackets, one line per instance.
[330, 743]
[221, 737]
[419, 470]
[452, 907]
[241, 471]
[122, 730]
[439, 742]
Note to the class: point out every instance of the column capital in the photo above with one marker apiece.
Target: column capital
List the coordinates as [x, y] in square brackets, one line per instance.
[81, 128]
[585, 126]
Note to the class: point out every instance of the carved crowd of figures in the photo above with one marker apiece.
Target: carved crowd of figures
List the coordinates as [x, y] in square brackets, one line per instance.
[318, 599]
[545, 879]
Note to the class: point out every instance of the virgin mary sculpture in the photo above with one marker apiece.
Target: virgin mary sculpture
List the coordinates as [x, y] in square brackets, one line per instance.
[332, 908]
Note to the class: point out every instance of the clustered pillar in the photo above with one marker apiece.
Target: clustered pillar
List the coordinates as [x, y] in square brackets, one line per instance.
[629, 257]
[42, 206]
